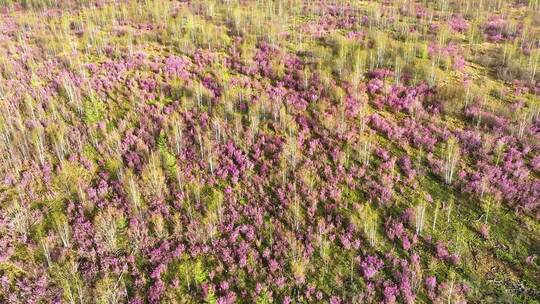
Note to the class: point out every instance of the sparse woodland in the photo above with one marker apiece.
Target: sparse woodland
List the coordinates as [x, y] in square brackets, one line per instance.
[279, 151]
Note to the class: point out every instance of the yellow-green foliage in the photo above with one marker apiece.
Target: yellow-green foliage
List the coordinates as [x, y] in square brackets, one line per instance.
[168, 159]
[94, 109]
[153, 176]
[108, 290]
[110, 224]
[69, 178]
[67, 278]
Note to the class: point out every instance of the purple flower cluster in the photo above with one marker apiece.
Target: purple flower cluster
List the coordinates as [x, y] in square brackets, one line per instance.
[459, 24]
[497, 29]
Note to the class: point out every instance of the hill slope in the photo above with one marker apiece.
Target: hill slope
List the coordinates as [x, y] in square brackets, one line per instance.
[270, 151]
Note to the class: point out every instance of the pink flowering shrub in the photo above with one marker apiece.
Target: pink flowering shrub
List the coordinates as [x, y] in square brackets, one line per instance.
[497, 29]
[459, 24]
[268, 152]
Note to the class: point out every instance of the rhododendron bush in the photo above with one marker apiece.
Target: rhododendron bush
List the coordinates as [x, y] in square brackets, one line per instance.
[269, 151]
